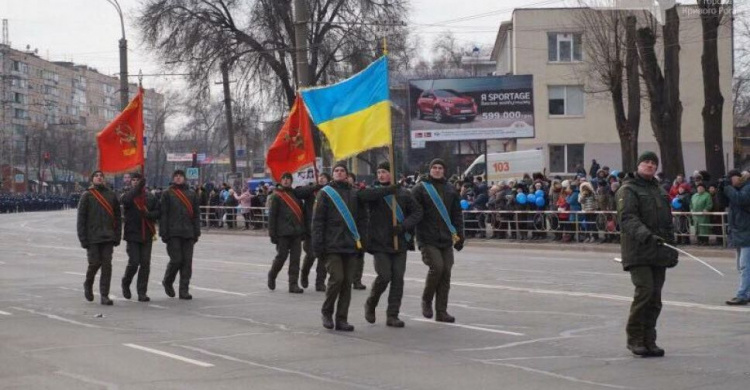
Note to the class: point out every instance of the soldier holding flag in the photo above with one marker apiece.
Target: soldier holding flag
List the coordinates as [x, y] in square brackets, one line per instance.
[286, 227]
[141, 213]
[390, 261]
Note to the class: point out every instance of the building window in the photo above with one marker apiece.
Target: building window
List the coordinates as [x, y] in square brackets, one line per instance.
[19, 98]
[565, 99]
[20, 114]
[565, 158]
[564, 47]
[19, 66]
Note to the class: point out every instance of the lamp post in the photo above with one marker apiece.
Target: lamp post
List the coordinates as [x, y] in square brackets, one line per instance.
[123, 58]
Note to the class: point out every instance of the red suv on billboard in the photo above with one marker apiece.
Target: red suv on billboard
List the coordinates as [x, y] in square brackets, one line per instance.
[444, 104]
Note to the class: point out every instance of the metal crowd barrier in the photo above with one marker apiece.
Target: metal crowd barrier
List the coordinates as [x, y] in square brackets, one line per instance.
[573, 226]
[234, 218]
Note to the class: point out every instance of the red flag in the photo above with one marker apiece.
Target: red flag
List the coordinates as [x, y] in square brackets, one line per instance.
[293, 147]
[121, 141]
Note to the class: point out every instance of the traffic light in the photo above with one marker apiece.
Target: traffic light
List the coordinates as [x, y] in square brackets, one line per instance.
[195, 159]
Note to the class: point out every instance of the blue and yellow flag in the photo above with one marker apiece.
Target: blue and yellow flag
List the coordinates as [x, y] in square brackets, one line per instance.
[355, 114]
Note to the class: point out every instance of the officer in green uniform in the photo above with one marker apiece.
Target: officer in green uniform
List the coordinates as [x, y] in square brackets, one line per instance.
[438, 234]
[179, 228]
[99, 231]
[286, 227]
[646, 222]
[338, 219]
[390, 261]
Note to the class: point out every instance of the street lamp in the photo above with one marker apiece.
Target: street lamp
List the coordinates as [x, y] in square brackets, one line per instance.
[123, 58]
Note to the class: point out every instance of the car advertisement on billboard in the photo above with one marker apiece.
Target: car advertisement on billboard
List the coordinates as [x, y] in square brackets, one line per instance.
[459, 109]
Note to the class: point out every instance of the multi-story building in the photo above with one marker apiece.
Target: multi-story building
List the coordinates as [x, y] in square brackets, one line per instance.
[40, 98]
[574, 125]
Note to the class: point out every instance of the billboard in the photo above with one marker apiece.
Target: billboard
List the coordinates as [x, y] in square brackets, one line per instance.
[476, 108]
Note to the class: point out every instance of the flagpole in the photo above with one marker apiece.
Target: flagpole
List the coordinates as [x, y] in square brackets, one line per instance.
[391, 158]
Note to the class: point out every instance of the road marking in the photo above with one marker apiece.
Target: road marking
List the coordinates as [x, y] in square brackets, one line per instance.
[157, 306]
[469, 327]
[56, 317]
[170, 355]
[219, 291]
[554, 375]
[75, 273]
[577, 294]
[5, 313]
[85, 379]
[279, 369]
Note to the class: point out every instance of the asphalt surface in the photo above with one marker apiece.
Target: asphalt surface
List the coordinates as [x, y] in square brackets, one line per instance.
[527, 319]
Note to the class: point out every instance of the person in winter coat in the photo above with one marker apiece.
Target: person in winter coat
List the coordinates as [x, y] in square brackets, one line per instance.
[701, 202]
[245, 201]
[594, 169]
[719, 206]
[571, 197]
[439, 233]
[587, 199]
[646, 221]
[141, 213]
[230, 204]
[737, 195]
[286, 227]
[99, 226]
[389, 257]
[683, 221]
[675, 189]
[179, 228]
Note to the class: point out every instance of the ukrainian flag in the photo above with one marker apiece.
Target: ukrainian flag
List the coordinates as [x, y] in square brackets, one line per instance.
[355, 114]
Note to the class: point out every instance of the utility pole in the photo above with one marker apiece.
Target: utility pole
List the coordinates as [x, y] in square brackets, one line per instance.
[123, 58]
[301, 16]
[228, 109]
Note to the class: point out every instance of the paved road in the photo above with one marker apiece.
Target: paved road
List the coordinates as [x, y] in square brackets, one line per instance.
[527, 319]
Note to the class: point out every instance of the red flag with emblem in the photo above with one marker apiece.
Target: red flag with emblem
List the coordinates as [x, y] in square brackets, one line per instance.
[293, 147]
[121, 142]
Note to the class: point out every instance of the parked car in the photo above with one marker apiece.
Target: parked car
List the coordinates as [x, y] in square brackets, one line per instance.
[445, 104]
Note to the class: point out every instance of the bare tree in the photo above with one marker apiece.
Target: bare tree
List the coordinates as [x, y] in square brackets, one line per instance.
[711, 12]
[664, 90]
[612, 66]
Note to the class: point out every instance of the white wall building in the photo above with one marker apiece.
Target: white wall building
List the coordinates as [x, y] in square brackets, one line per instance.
[574, 126]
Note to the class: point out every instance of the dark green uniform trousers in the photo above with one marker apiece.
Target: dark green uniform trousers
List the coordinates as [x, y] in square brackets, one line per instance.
[390, 268]
[307, 263]
[291, 247]
[644, 311]
[340, 267]
[100, 256]
[438, 283]
[180, 251]
[359, 268]
[139, 260]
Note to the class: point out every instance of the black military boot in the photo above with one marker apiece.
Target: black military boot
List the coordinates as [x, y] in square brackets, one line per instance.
[169, 277]
[344, 326]
[359, 286]
[186, 296]
[143, 298]
[126, 280]
[88, 290]
[650, 344]
[106, 301]
[638, 349]
[320, 287]
[271, 281]
[184, 290]
[168, 288]
[443, 316]
[327, 321]
[303, 280]
[427, 309]
[369, 311]
[294, 289]
[394, 322]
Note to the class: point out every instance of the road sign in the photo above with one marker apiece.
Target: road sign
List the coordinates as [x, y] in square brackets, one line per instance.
[418, 144]
[19, 178]
[193, 173]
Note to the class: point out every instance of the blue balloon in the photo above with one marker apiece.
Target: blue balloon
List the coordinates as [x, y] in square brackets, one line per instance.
[614, 173]
[464, 204]
[540, 201]
[531, 198]
[521, 198]
[676, 204]
[539, 193]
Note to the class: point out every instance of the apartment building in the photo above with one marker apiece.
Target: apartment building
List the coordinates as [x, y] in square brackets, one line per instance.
[40, 95]
[574, 125]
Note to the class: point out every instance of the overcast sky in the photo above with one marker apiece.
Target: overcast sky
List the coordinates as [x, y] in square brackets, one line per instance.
[87, 31]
